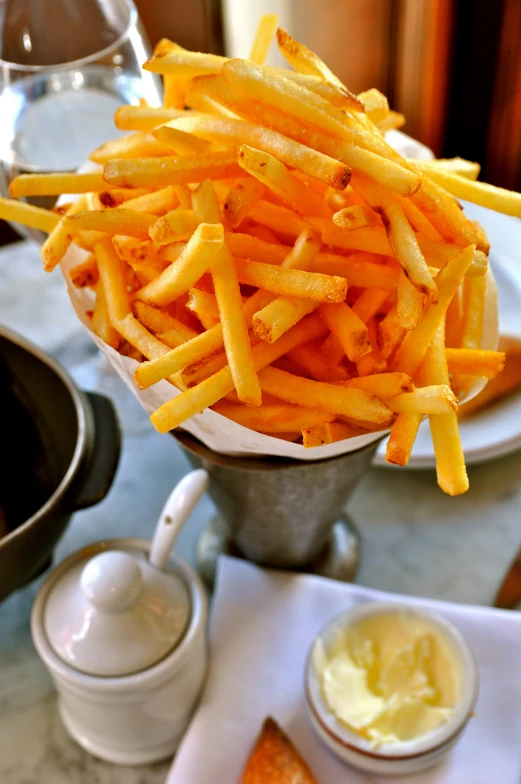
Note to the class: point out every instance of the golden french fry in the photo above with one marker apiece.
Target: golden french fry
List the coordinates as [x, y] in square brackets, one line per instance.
[204, 305]
[159, 321]
[59, 240]
[372, 362]
[419, 222]
[390, 333]
[209, 391]
[357, 270]
[263, 39]
[505, 382]
[112, 275]
[317, 435]
[138, 145]
[191, 265]
[179, 224]
[28, 215]
[56, 184]
[121, 221]
[414, 345]
[244, 193]
[272, 418]
[383, 385]
[225, 131]
[473, 312]
[275, 176]
[450, 461]
[332, 350]
[305, 61]
[143, 118]
[355, 217]
[155, 203]
[280, 315]
[159, 172]
[87, 240]
[205, 205]
[182, 142]
[291, 283]
[409, 305]
[310, 359]
[101, 325]
[433, 399]
[401, 236]
[85, 273]
[453, 320]
[475, 362]
[349, 329]
[402, 438]
[456, 165]
[353, 403]
[394, 120]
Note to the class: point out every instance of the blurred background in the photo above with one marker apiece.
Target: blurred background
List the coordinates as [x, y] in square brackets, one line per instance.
[452, 67]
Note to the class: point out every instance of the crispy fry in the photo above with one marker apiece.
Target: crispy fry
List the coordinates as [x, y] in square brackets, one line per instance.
[353, 403]
[414, 345]
[373, 361]
[204, 305]
[59, 240]
[55, 184]
[291, 283]
[322, 167]
[263, 39]
[475, 362]
[28, 215]
[383, 385]
[349, 329]
[311, 360]
[332, 349]
[355, 217]
[390, 333]
[280, 315]
[433, 399]
[159, 172]
[317, 435]
[121, 221]
[401, 439]
[454, 165]
[275, 176]
[112, 274]
[159, 321]
[181, 275]
[369, 303]
[155, 203]
[504, 383]
[179, 224]
[182, 142]
[409, 306]
[143, 118]
[85, 273]
[273, 418]
[101, 325]
[138, 145]
[244, 193]
[375, 104]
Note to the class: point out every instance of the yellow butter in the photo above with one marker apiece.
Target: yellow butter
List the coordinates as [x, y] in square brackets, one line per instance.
[390, 677]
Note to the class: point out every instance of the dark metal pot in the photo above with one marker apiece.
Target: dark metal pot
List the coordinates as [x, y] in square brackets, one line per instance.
[61, 449]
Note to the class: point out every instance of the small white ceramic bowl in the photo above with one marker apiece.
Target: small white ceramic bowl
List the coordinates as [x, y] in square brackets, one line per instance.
[407, 757]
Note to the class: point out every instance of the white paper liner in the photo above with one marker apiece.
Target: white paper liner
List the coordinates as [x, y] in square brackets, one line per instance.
[222, 434]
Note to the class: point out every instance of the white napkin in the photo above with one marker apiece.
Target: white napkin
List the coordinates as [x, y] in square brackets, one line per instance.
[262, 626]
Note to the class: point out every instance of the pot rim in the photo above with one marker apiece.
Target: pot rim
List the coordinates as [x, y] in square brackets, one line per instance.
[84, 425]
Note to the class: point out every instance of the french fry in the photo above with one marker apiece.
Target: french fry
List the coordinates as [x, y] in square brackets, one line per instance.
[209, 391]
[410, 353]
[28, 215]
[56, 184]
[394, 120]
[59, 240]
[171, 170]
[317, 435]
[87, 240]
[401, 439]
[433, 399]
[355, 217]
[375, 104]
[453, 320]
[174, 87]
[244, 193]
[369, 303]
[144, 118]
[177, 225]
[159, 321]
[138, 145]
[348, 328]
[101, 325]
[450, 462]
[505, 382]
[204, 306]
[332, 350]
[419, 222]
[458, 166]
[373, 361]
[357, 270]
[112, 274]
[279, 219]
[390, 333]
[85, 273]
[291, 283]
[275, 176]
[473, 312]
[182, 142]
[401, 237]
[273, 418]
[263, 40]
[383, 385]
[155, 203]
[307, 62]
[353, 403]
[280, 315]
[409, 305]
[322, 167]
[121, 221]
[474, 362]
[191, 265]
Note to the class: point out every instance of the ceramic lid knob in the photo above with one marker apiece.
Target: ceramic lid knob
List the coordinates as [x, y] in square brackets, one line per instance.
[112, 581]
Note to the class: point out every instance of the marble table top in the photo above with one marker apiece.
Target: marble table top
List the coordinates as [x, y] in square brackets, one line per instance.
[415, 539]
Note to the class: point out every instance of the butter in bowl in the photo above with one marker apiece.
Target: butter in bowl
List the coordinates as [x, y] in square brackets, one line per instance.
[390, 688]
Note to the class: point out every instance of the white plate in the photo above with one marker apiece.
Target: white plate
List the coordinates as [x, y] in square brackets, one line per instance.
[496, 430]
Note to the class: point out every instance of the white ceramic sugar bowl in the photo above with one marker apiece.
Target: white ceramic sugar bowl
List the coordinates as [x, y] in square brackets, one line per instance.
[124, 639]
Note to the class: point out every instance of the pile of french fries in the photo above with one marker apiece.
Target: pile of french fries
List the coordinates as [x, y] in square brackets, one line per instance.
[256, 242]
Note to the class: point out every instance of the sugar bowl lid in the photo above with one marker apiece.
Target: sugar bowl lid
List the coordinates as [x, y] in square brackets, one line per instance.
[118, 612]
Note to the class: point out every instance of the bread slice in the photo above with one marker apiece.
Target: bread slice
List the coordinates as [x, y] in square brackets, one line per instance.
[274, 759]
